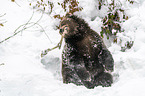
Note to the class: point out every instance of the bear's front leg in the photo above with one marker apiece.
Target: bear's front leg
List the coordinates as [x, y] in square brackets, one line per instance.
[85, 76]
[104, 79]
[66, 74]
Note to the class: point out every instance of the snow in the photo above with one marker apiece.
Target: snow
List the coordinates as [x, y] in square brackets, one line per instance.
[24, 73]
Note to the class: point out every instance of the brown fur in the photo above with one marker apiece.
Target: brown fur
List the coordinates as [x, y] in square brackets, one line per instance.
[85, 57]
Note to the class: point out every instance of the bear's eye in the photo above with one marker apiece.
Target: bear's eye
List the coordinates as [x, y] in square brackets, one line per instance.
[65, 28]
[61, 31]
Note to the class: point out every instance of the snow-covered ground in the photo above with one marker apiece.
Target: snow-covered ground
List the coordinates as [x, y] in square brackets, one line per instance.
[24, 73]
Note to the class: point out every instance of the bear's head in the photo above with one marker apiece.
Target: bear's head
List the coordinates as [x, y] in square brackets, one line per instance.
[72, 26]
[68, 27]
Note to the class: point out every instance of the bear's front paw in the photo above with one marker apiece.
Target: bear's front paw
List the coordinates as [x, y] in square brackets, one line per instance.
[104, 79]
[105, 83]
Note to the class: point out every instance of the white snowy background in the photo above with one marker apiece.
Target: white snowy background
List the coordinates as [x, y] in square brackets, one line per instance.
[24, 73]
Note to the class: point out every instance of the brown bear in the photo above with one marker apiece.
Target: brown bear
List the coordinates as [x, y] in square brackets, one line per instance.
[85, 59]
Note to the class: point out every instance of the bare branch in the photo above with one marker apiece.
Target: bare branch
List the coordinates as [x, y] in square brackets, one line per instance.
[2, 15]
[25, 27]
[57, 46]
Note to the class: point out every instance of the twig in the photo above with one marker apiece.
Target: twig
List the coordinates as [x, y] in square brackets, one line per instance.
[24, 25]
[28, 23]
[10, 37]
[57, 46]
[15, 33]
[3, 15]
[2, 64]
[17, 4]
[24, 28]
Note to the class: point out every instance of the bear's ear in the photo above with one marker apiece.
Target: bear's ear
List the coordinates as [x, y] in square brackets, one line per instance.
[68, 15]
